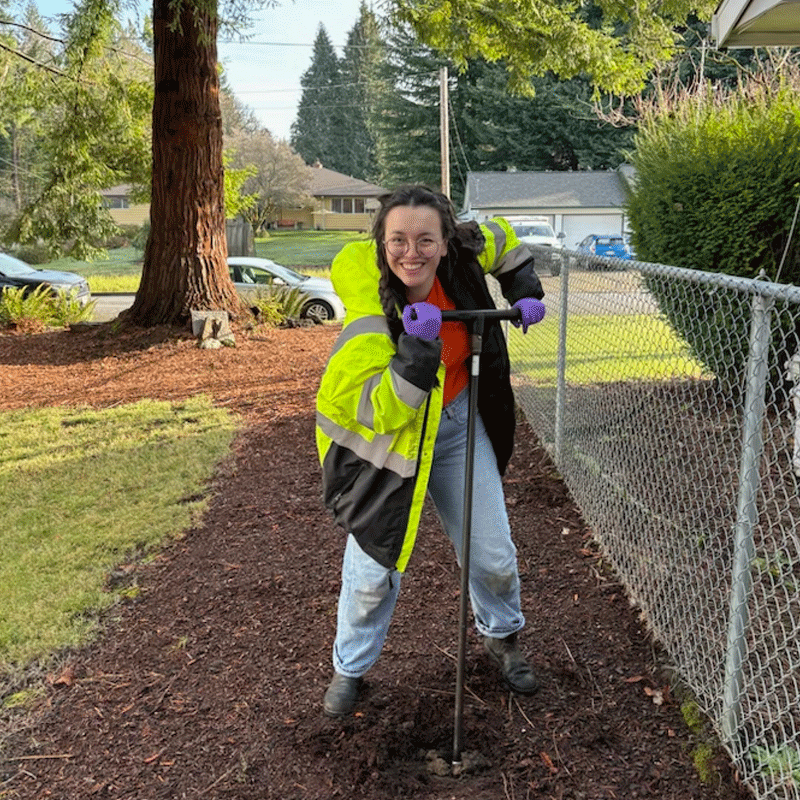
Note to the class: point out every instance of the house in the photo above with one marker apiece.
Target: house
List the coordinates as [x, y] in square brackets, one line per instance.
[340, 203]
[756, 23]
[117, 200]
[576, 203]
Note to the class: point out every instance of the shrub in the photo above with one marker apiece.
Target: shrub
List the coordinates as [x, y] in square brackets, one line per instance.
[40, 308]
[278, 305]
[34, 254]
[717, 185]
[139, 239]
[67, 310]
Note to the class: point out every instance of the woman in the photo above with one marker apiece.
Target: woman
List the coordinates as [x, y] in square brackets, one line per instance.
[392, 421]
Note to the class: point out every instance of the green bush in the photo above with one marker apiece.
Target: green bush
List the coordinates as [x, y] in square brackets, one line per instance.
[34, 254]
[67, 310]
[277, 305]
[129, 232]
[139, 238]
[40, 308]
[717, 185]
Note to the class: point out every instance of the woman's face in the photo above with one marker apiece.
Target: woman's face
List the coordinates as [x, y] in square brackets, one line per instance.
[414, 246]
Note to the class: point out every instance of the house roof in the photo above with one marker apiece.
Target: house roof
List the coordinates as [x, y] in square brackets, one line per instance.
[756, 23]
[120, 190]
[324, 183]
[582, 189]
[327, 183]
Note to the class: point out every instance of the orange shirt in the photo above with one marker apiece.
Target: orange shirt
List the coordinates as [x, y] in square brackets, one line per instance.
[455, 346]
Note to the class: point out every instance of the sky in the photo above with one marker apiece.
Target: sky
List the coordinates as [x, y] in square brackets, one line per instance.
[264, 72]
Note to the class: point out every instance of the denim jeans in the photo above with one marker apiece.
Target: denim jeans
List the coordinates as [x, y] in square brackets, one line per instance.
[369, 591]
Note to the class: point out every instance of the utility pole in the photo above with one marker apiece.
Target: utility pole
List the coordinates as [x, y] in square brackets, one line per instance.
[444, 131]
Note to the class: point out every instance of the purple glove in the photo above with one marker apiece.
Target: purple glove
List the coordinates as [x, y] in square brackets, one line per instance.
[532, 311]
[423, 320]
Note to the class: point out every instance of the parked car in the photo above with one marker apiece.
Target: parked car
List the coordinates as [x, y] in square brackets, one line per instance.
[602, 245]
[15, 273]
[249, 274]
[535, 230]
[539, 231]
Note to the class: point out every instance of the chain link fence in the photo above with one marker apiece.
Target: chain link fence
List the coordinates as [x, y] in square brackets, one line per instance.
[669, 400]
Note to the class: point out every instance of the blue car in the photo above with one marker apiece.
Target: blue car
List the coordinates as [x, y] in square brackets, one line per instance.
[605, 246]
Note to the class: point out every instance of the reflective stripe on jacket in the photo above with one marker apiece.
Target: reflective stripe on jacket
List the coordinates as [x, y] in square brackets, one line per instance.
[379, 403]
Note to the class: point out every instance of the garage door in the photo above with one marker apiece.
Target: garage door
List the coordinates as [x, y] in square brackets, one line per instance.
[578, 226]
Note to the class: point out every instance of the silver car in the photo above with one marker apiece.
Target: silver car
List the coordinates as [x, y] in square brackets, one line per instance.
[249, 274]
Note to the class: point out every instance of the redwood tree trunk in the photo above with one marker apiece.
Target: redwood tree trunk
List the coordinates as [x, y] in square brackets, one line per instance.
[185, 258]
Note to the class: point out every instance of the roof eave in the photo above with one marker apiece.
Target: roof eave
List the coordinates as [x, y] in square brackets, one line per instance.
[756, 23]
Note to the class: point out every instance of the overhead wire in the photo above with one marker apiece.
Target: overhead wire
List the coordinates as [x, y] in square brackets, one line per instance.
[460, 144]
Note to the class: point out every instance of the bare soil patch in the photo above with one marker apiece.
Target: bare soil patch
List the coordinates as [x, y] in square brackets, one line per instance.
[209, 684]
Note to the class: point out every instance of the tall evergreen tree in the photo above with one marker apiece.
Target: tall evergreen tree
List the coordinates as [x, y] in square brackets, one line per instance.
[317, 130]
[489, 128]
[405, 116]
[359, 71]
[556, 129]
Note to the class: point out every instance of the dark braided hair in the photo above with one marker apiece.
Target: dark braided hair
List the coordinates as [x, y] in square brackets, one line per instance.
[463, 241]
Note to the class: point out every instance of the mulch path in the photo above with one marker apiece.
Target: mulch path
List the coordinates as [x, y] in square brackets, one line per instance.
[209, 684]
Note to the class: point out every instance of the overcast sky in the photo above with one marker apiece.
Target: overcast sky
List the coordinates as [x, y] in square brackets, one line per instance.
[264, 72]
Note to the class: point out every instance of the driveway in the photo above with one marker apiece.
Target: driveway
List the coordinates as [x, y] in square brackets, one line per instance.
[109, 306]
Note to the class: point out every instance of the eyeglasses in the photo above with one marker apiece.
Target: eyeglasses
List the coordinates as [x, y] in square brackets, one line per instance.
[398, 247]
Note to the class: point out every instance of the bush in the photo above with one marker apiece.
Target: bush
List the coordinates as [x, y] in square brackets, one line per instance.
[125, 236]
[130, 232]
[277, 305]
[139, 239]
[41, 308]
[34, 254]
[717, 185]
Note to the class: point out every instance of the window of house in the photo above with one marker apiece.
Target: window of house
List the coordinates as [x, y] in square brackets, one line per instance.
[115, 201]
[347, 205]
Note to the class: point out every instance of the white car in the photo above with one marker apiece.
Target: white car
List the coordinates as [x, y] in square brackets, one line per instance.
[536, 230]
[249, 274]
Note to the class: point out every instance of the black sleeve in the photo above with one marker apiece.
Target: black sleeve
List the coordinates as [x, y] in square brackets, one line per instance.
[417, 360]
[522, 282]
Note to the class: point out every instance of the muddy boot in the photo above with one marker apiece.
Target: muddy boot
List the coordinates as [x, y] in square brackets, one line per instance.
[340, 698]
[516, 670]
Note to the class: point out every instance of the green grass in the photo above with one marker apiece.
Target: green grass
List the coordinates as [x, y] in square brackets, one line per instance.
[109, 284]
[122, 261]
[305, 248]
[603, 349]
[83, 491]
[310, 252]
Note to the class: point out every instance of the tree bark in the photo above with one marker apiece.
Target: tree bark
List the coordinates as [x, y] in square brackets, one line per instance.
[185, 264]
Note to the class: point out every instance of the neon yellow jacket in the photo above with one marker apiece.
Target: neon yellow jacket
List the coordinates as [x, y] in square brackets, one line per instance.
[380, 401]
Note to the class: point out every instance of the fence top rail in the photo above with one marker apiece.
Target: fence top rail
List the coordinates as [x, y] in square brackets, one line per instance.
[760, 286]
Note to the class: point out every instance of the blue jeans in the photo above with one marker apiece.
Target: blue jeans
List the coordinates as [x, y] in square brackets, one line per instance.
[369, 591]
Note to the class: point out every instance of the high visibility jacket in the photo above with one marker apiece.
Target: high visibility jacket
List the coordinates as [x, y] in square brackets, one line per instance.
[380, 400]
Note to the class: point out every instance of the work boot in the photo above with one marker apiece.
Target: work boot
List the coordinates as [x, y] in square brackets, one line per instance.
[340, 698]
[516, 670]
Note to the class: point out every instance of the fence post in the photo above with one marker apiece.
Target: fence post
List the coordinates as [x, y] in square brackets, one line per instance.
[561, 361]
[746, 515]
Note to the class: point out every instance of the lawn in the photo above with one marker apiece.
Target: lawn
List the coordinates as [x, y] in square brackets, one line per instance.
[83, 491]
[307, 251]
[603, 348]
